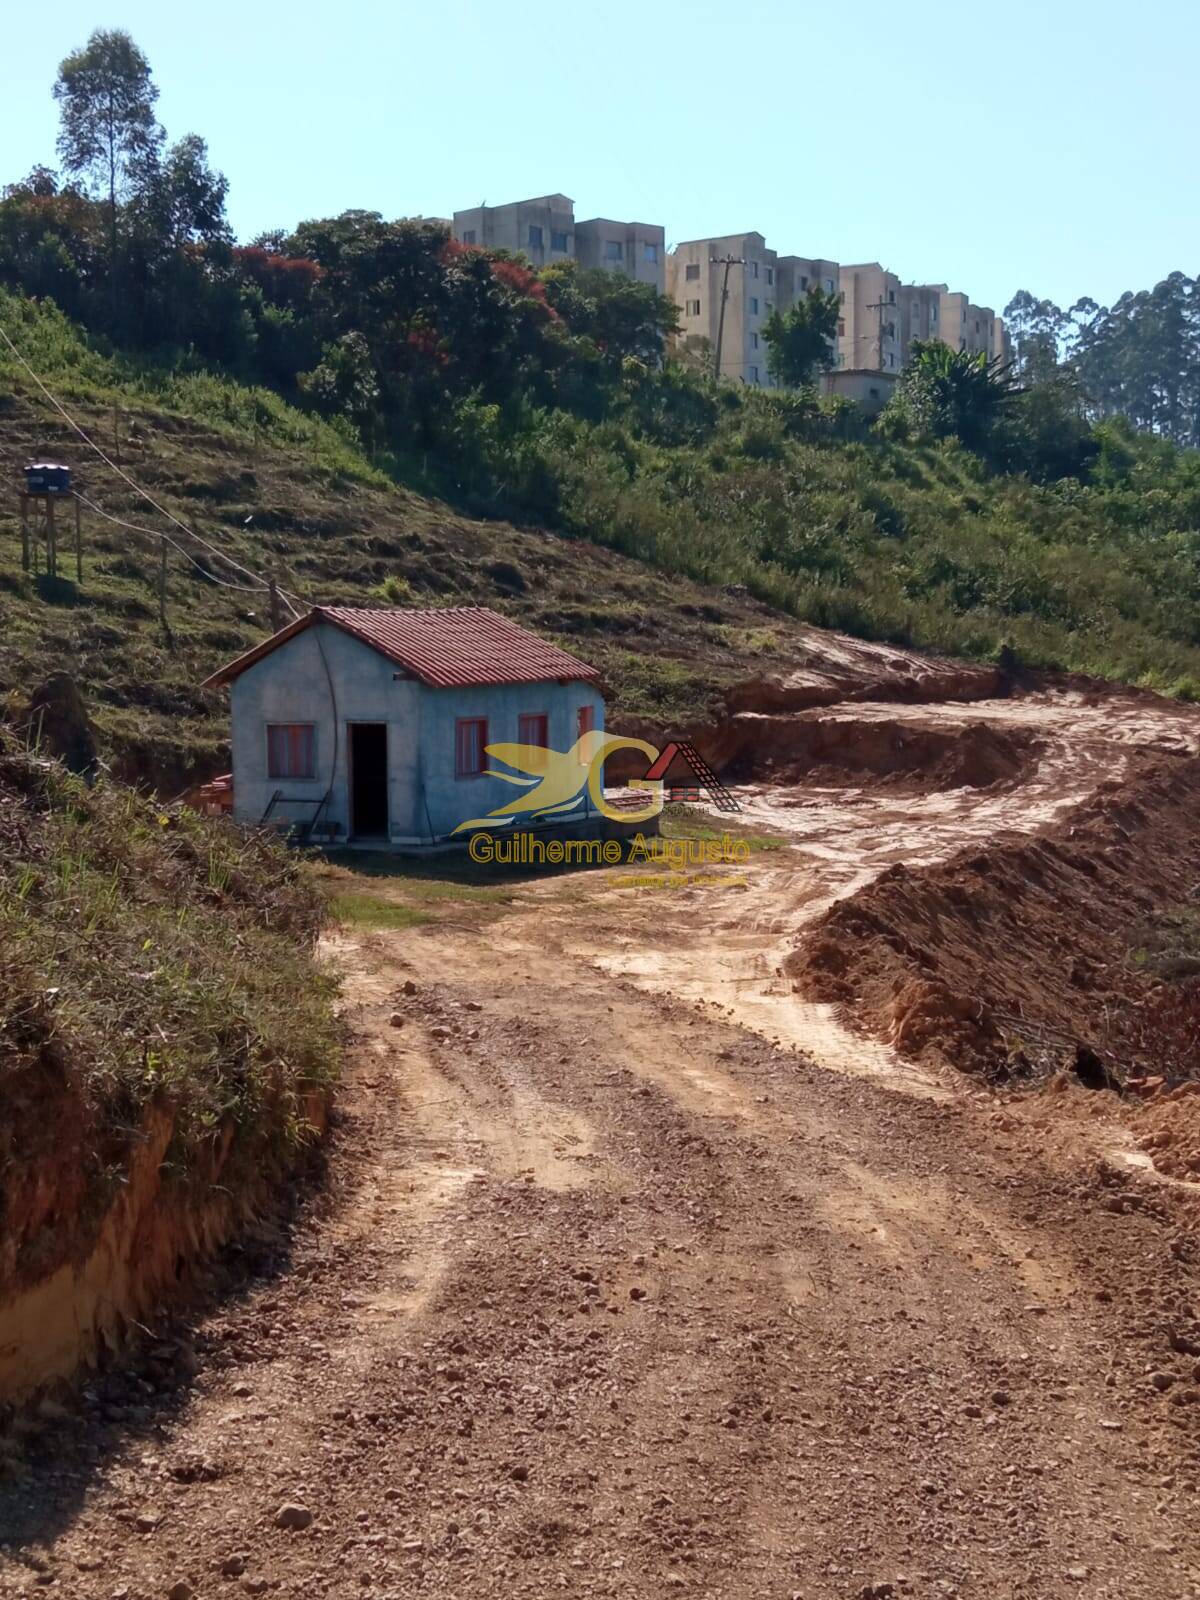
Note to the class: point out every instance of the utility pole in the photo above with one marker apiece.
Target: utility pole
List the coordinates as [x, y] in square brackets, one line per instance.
[726, 262]
[879, 305]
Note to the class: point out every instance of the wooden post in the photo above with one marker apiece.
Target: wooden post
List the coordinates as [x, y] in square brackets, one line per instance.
[51, 539]
[24, 533]
[78, 544]
[162, 582]
[273, 593]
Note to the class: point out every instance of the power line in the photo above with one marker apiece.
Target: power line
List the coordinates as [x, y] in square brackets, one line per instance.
[152, 533]
[133, 484]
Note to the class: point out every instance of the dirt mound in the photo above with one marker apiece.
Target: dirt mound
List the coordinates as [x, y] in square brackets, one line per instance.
[847, 749]
[1020, 958]
[57, 722]
[842, 747]
[1169, 1131]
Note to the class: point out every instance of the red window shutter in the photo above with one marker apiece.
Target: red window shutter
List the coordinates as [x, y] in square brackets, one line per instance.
[534, 728]
[291, 750]
[586, 720]
[470, 739]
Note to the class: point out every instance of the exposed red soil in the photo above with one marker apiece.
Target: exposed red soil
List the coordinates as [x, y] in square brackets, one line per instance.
[819, 749]
[95, 1234]
[1022, 950]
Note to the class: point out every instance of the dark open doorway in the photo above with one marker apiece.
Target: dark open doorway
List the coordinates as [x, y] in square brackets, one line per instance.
[368, 780]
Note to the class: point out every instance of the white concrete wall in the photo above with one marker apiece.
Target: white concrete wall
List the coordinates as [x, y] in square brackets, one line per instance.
[290, 685]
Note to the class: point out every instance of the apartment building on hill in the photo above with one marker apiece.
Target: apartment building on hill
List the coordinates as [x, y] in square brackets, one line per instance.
[696, 278]
[759, 280]
[542, 229]
[545, 230]
[966, 326]
[920, 312]
[870, 336]
[880, 317]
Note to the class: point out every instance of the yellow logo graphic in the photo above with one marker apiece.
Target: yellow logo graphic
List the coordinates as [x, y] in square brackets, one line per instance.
[554, 781]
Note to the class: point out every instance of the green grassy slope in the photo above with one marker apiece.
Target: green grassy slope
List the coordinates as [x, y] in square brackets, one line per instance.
[331, 527]
[914, 543]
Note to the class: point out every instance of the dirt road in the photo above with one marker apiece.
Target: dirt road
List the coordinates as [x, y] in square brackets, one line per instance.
[609, 1293]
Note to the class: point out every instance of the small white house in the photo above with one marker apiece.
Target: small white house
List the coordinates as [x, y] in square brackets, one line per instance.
[371, 725]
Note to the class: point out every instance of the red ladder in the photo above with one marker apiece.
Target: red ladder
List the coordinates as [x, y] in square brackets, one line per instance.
[721, 796]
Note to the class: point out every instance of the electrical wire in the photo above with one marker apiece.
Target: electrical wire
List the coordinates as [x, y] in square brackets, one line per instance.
[333, 766]
[242, 588]
[133, 484]
[152, 533]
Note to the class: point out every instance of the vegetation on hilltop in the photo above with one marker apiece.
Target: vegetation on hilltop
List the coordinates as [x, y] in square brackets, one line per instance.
[1138, 358]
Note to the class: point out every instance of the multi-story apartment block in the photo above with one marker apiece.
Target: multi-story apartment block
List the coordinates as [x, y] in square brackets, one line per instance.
[635, 248]
[880, 317]
[871, 334]
[966, 326]
[697, 273]
[542, 229]
[545, 230]
[920, 313]
[910, 311]
[798, 275]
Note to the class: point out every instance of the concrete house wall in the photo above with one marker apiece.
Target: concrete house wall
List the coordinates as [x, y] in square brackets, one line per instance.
[424, 795]
[870, 390]
[451, 799]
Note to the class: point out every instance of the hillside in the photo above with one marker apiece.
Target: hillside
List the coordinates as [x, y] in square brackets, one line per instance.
[718, 556]
[335, 531]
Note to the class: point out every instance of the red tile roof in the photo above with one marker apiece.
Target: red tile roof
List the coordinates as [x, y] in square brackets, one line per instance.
[454, 647]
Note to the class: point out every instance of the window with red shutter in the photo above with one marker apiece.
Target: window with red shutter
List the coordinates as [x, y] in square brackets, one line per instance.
[291, 750]
[533, 727]
[470, 739]
[585, 721]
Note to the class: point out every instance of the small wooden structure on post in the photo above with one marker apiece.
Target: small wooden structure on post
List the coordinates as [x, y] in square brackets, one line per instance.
[46, 483]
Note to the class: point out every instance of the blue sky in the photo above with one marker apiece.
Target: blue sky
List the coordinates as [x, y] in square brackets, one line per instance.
[1047, 146]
